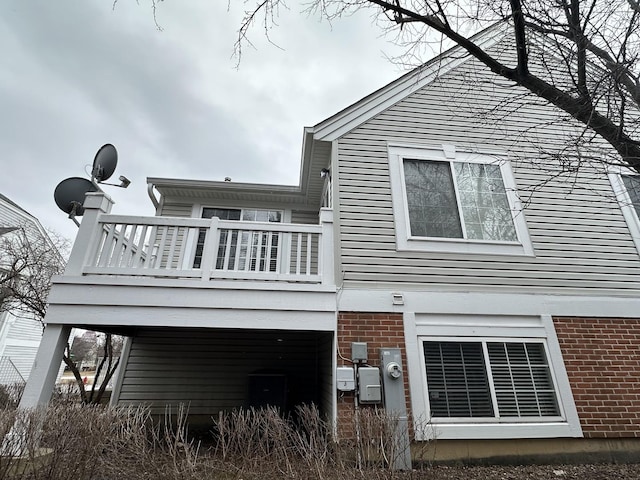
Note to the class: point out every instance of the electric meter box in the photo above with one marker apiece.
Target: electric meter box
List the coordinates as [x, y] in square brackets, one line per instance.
[345, 378]
[369, 385]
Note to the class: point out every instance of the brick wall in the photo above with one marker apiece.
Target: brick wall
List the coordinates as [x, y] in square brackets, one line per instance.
[602, 357]
[379, 330]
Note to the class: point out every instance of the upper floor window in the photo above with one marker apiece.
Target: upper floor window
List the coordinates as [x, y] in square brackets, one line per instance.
[455, 201]
[626, 187]
[632, 184]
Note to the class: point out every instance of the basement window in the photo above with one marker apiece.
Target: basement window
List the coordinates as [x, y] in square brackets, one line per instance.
[489, 381]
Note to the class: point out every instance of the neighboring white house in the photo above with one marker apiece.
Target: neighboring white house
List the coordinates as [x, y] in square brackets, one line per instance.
[424, 238]
[19, 334]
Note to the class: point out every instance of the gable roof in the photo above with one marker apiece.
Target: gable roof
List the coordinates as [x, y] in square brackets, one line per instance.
[15, 205]
[378, 101]
[316, 142]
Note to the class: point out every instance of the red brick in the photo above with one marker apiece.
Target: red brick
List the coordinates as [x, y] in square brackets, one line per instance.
[604, 371]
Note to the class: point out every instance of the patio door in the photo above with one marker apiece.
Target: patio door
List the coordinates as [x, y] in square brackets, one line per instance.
[242, 249]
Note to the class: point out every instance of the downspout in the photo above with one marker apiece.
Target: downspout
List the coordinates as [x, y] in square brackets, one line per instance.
[152, 196]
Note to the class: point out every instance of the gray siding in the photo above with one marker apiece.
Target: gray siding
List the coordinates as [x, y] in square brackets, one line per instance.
[176, 209]
[580, 238]
[308, 217]
[208, 370]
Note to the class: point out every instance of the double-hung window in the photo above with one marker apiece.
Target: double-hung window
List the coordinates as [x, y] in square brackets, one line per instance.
[455, 201]
[490, 381]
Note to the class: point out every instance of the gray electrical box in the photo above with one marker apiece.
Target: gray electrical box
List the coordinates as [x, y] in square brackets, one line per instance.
[370, 390]
[345, 379]
[359, 351]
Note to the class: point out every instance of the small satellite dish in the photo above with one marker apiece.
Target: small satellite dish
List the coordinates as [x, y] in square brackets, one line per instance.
[69, 195]
[104, 164]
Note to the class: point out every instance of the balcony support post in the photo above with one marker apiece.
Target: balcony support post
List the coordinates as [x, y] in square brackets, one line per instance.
[26, 430]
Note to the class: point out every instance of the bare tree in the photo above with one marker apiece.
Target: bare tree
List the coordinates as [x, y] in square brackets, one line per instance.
[580, 56]
[29, 259]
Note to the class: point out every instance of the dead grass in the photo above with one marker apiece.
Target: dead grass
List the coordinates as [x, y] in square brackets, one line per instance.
[103, 443]
[93, 442]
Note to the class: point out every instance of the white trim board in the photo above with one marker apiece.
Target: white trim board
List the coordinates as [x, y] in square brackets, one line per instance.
[101, 315]
[473, 327]
[485, 303]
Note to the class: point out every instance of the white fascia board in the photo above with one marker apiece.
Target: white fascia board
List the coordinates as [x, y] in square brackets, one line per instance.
[163, 296]
[237, 318]
[371, 105]
[486, 303]
[160, 183]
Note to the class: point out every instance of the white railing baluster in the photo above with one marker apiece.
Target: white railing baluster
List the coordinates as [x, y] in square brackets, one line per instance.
[309, 245]
[183, 248]
[285, 253]
[138, 258]
[227, 250]
[118, 247]
[107, 247]
[259, 255]
[160, 247]
[165, 247]
[268, 247]
[299, 254]
[130, 247]
[151, 248]
[172, 247]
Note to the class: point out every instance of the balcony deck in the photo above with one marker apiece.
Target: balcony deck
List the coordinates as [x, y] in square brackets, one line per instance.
[202, 249]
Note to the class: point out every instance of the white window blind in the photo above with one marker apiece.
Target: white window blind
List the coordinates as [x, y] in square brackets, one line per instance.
[489, 379]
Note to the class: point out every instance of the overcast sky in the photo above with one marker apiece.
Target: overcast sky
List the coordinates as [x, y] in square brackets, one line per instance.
[78, 74]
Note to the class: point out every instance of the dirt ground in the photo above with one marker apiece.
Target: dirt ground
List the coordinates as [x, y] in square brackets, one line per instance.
[537, 472]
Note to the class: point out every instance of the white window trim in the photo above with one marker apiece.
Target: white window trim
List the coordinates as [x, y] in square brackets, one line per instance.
[448, 153]
[624, 201]
[421, 327]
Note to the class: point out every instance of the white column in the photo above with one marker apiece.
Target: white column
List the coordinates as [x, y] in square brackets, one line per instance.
[326, 248]
[95, 204]
[46, 366]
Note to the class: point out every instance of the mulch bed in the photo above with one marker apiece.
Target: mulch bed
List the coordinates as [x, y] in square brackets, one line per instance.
[537, 472]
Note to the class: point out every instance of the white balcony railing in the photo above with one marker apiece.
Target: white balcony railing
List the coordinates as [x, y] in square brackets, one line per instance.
[202, 248]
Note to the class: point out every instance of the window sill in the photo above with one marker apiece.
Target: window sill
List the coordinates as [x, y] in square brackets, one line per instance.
[463, 246]
[481, 431]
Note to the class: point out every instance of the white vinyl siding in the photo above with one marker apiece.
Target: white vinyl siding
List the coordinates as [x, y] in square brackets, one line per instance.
[578, 234]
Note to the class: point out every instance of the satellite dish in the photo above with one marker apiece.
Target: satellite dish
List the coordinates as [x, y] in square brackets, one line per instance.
[69, 194]
[104, 164]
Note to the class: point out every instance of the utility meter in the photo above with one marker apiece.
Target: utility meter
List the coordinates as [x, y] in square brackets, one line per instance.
[394, 370]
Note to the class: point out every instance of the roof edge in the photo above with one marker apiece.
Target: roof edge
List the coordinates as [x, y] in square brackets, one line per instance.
[364, 109]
